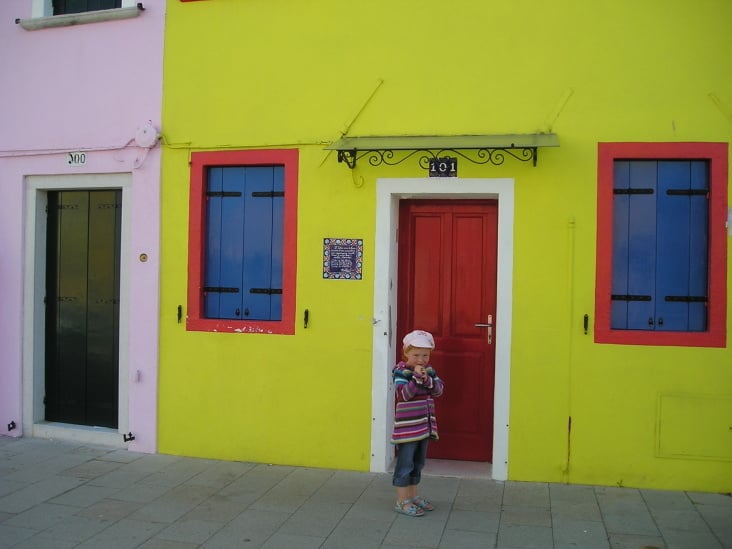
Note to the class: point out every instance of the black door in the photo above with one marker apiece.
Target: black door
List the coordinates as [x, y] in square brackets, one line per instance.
[82, 307]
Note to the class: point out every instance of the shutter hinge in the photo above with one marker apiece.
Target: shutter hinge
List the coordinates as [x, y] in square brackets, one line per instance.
[221, 289]
[223, 193]
[626, 297]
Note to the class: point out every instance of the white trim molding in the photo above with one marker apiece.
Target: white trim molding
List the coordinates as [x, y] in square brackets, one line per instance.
[388, 194]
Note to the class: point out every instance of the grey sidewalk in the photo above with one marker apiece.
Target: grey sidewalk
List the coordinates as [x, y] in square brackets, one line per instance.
[58, 494]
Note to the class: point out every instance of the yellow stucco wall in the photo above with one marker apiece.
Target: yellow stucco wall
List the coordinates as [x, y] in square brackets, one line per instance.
[280, 74]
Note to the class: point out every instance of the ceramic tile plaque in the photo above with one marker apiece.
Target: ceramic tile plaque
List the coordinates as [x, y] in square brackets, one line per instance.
[342, 258]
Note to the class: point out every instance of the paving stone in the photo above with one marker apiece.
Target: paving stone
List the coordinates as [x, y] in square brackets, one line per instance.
[124, 534]
[631, 541]
[192, 531]
[425, 531]
[12, 535]
[44, 541]
[141, 492]
[85, 495]
[41, 516]
[474, 521]
[77, 529]
[532, 494]
[358, 533]
[691, 539]
[249, 529]
[281, 540]
[524, 514]
[91, 469]
[524, 537]
[315, 519]
[36, 493]
[157, 543]
[467, 539]
[109, 509]
[583, 534]
[216, 509]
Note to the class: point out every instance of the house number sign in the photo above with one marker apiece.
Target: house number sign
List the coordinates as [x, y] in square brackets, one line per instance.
[443, 167]
[76, 158]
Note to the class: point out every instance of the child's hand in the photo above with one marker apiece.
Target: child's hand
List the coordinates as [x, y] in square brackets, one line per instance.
[420, 374]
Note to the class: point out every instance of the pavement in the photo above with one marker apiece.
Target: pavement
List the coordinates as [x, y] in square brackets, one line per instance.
[57, 494]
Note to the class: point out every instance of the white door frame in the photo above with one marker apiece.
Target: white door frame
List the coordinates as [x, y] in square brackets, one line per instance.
[385, 342]
[34, 291]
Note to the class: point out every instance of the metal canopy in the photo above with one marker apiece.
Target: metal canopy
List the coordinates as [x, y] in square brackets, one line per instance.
[478, 149]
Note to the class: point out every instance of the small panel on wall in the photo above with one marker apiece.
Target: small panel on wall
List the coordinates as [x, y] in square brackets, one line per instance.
[694, 426]
[342, 258]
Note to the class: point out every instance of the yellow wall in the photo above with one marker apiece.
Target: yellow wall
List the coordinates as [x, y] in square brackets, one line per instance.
[279, 73]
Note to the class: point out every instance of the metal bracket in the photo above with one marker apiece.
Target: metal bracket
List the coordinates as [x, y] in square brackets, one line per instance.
[349, 157]
[390, 157]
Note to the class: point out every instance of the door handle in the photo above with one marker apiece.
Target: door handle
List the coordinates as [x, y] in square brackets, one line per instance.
[489, 325]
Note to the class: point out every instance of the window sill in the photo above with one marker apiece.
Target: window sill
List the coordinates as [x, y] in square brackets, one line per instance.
[71, 19]
[239, 326]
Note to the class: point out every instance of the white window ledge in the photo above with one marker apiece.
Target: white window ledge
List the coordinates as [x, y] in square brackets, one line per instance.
[70, 19]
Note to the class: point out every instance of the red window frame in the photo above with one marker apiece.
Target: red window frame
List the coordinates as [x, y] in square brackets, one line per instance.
[200, 161]
[717, 155]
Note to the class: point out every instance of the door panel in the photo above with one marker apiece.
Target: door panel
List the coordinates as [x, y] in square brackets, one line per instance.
[447, 284]
[82, 307]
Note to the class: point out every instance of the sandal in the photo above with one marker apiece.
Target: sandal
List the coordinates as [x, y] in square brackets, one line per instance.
[423, 504]
[408, 508]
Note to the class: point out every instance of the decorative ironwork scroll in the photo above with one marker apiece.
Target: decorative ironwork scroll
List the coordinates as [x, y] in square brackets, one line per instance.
[489, 155]
[390, 150]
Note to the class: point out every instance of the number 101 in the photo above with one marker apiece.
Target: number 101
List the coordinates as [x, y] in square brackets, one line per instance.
[443, 167]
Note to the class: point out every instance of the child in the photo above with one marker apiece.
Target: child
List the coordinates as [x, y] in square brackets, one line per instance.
[415, 383]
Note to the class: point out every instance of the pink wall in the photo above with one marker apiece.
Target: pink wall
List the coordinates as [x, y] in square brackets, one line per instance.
[84, 87]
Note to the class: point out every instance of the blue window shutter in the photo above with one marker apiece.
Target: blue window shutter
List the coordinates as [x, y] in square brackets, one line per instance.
[660, 245]
[682, 246]
[699, 245]
[212, 265]
[232, 237]
[224, 235]
[634, 244]
[244, 243]
[673, 245]
[621, 206]
[257, 271]
[278, 240]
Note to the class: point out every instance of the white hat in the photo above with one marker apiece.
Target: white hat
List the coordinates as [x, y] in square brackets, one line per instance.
[419, 338]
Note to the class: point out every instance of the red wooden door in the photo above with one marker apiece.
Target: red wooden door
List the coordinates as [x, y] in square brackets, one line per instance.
[447, 285]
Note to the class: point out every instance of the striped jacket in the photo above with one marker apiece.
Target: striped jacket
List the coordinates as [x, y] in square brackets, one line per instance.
[414, 416]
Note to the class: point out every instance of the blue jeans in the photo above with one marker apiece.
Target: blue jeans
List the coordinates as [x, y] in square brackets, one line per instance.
[410, 462]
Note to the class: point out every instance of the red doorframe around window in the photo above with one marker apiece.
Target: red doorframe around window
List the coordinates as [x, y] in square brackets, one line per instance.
[196, 252]
[717, 155]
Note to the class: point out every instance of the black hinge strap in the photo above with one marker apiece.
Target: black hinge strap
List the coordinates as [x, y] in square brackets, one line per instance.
[633, 191]
[687, 192]
[687, 298]
[626, 297]
[267, 194]
[221, 289]
[269, 291]
[223, 193]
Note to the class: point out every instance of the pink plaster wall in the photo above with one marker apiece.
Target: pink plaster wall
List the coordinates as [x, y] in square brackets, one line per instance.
[85, 87]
